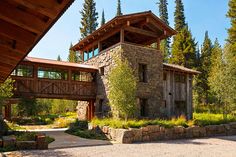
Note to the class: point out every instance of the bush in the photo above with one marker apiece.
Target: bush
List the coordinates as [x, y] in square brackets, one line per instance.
[63, 122]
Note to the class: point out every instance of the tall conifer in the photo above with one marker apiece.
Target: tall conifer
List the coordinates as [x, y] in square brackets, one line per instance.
[103, 21]
[165, 44]
[118, 12]
[89, 18]
[232, 15]
[179, 15]
[59, 58]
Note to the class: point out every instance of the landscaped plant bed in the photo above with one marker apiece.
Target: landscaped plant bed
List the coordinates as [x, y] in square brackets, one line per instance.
[158, 133]
[24, 140]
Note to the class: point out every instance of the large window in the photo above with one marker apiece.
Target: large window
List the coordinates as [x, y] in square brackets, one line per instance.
[83, 76]
[143, 107]
[142, 72]
[23, 70]
[54, 74]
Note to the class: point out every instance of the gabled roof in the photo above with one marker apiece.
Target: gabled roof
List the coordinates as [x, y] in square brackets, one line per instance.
[22, 24]
[179, 68]
[57, 63]
[118, 22]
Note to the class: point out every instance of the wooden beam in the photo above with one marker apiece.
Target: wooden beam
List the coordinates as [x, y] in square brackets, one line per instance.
[11, 53]
[12, 44]
[158, 43]
[141, 31]
[25, 20]
[39, 6]
[16, 33]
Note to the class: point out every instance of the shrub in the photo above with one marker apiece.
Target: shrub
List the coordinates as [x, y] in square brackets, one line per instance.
[63, 122]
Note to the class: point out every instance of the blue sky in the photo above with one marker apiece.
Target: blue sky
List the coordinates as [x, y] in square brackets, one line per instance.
[201, 15]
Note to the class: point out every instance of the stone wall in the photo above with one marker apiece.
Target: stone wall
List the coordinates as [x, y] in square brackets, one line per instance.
[158, 133]
[152, 90]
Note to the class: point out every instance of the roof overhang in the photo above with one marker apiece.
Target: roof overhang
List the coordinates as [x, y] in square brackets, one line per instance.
[178, 68]
[147, 19]
[22, 24]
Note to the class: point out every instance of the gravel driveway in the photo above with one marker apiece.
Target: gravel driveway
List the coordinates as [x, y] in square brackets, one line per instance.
[211, 147]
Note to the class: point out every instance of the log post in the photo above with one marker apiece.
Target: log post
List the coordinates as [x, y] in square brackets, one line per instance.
[122, 35]
[158, 43]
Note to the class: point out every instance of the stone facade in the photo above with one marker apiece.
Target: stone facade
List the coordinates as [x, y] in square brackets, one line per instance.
[151, 90]
[158, 133]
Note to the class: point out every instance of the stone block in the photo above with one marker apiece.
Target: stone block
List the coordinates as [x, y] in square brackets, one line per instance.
[202, 132]
[232, 125]
[41, 141]
[211, 130]
[112, 132]
[9, 141]
[153, 128]
[120, 135]
[146, 138]
[169, 133]
[137, 134]
[26, 145]
[105, 129]
[220, 130]
[189, 132]
[179, 130]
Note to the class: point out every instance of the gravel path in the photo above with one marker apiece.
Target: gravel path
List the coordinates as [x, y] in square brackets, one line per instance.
[211, 147]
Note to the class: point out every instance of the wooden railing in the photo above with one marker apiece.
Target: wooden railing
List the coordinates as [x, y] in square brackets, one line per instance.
[59, 89]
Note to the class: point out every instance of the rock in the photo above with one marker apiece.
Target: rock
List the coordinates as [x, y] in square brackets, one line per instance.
[211, 130]
[146, 138]
[9, 141]
[137, 134]
[105, 129]
[153, 128]
[41, 142]
[24, 145]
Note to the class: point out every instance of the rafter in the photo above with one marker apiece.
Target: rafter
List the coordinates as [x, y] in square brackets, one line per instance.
[141, 31]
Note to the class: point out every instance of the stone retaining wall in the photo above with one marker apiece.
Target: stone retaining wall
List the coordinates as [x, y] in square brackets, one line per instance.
[157, 133]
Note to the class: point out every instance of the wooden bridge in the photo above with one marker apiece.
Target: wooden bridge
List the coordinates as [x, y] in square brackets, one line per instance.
[43, 78]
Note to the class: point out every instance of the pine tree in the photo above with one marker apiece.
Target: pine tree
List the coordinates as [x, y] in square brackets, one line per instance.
[59, 58]
[215, 78]
[103, 21]
[203, 89]
[184, 49]
[232, 15]
[179, 15]
[72, 57]
[118, 13]
[89, 18]
[165, 44]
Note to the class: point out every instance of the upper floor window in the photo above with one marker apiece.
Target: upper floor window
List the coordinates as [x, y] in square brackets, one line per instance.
[54, 74]
[142, 72]
[23, 70]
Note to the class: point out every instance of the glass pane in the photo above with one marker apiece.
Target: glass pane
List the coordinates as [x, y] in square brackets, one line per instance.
[54, 74]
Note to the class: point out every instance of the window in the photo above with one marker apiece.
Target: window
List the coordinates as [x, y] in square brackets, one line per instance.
[102, 69]
[180, 78]
[142, 73]
[54, 74]
[23, 70]
[143, 107]
[83, 76]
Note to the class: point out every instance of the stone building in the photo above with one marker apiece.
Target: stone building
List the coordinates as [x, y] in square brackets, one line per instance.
[163, 90]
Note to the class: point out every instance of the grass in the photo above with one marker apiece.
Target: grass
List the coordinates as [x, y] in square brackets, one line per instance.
[200, 119]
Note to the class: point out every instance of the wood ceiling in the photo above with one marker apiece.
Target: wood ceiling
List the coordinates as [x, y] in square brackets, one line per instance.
[22, 24]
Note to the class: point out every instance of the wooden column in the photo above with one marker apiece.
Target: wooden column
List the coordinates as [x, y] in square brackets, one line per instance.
[93, 52]
[87, 55]
[122, 35]
[82, 55]
[35, 76]
[89, 112]
[99, 47]
[158, 43]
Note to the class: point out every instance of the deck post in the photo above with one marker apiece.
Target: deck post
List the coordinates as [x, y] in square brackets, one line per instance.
[8, 111]
[158, 43]
[122, 35]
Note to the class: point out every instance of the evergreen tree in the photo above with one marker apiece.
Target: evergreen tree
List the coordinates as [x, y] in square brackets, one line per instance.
[89, 18]
[184, 49]
[165, 44]
[118, 13]
[72, 57]
[215, 79]
[203, 89]
[179, 15]
[232, 15]
[59, 58]
[103, 21]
